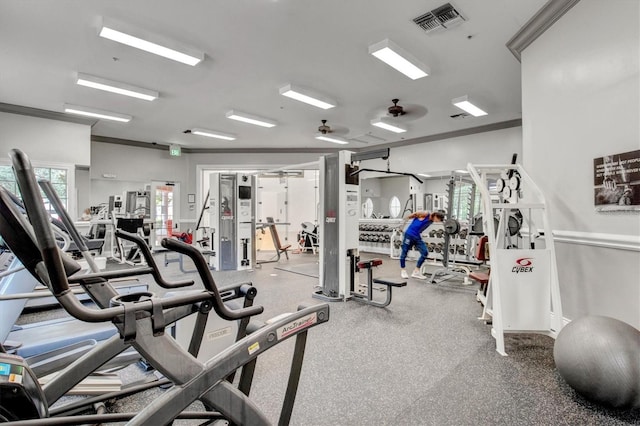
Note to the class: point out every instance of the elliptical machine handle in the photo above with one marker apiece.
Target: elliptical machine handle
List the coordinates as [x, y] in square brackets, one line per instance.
[203, 270]
[148, 257]
[39, 221]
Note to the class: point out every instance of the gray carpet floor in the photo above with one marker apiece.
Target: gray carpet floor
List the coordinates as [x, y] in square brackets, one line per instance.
[424, 360]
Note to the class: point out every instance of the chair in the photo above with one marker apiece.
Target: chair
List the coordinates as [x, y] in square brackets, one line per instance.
[276, 243]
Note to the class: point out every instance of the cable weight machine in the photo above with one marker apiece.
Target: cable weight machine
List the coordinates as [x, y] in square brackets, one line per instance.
[458, 240]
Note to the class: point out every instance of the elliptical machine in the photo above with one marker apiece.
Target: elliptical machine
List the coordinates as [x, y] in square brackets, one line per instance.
[140, 320]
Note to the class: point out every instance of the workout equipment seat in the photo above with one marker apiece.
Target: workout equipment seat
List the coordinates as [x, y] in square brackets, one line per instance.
[482, 249]
[481, 278]
[187, 237]
[389, 282]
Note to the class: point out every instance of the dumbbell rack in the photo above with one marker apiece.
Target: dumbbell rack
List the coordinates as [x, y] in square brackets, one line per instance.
[458, 245]
[374, 235]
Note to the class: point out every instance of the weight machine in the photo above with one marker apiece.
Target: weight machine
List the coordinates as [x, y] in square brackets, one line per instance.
[232, 219]
[523, 293]
[339, 210]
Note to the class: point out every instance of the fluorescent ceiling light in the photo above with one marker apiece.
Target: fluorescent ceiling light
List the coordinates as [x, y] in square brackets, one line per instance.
[307, 96]
[213, 134]
[394, 56]
[333, 139]
[115, 87]
[386, 124]
[251, 119]
[424, 175]
[464, 104]
[134, 37]
[96, 113]
[461, 171]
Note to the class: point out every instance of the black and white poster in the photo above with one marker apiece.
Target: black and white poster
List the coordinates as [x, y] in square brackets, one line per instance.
[617, 182]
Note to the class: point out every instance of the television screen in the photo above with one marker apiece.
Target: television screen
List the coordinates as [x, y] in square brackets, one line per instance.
[244, 192]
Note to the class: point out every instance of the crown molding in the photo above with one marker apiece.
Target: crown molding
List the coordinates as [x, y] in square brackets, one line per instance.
[538, 24]
[43, 113]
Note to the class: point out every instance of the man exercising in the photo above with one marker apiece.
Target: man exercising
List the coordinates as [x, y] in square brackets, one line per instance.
[412, 238]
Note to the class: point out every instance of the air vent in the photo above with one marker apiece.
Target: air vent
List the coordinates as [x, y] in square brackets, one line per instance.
[460, 116]
[443, 17]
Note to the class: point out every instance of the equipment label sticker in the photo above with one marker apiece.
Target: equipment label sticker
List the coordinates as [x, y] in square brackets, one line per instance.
[217, 334]
[253, 348]
[299, 324]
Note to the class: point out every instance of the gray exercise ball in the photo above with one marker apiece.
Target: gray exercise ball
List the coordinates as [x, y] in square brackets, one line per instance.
[600, 358]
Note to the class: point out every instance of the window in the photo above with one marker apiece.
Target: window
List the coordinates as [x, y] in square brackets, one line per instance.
[462, 201]
[58, 176]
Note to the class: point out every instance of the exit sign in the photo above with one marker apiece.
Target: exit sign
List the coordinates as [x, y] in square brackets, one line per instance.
[175, 151]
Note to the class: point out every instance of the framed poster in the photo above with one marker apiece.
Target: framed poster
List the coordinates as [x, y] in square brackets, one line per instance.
[617, 182]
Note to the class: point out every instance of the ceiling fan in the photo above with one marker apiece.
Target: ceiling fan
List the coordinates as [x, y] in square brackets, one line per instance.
[324, 129]
[404, 113]
[395, 109]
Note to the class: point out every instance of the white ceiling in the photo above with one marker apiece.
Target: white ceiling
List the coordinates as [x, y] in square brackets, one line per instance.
[252, 48]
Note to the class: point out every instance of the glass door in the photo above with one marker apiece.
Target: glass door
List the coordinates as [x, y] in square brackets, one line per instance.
[165, 213]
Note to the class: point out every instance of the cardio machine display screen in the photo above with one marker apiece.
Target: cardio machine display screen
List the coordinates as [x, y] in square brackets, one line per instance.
[244, 192]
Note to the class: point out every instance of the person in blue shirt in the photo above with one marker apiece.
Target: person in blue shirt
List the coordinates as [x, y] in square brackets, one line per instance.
[412, 238]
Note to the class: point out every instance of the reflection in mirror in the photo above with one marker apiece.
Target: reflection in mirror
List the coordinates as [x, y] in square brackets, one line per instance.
[394, 207]
[367, 208]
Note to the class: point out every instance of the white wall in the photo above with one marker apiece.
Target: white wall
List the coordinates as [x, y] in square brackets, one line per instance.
[49, 143]
[135, 167]
[581, 100]
[451, 154]
[393, 186]
[46, 140]
[440, 158]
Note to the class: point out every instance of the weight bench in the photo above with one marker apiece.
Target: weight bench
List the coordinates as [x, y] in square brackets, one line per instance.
[389, 282]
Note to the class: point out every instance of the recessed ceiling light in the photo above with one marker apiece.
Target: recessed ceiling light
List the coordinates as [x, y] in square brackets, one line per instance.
[386, 124]
[251, 119]
[96, 113]
[396, 57]
[464, 104]
[152, 43]
[213, 134]
[115, 87]
[307, 96]
[332, 139]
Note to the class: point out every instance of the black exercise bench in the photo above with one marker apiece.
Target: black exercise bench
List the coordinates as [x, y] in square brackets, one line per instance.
[389, 282]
